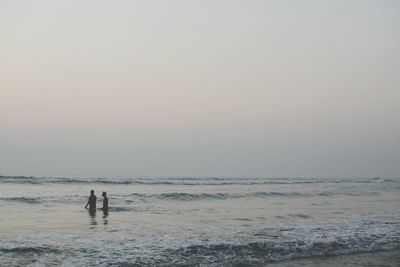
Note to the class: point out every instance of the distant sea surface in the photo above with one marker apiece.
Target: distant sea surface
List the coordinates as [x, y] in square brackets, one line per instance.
[194, 221]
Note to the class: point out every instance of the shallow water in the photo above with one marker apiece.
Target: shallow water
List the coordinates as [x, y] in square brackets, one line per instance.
[194, 221]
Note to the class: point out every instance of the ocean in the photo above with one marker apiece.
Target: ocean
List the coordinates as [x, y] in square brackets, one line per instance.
[194, 221]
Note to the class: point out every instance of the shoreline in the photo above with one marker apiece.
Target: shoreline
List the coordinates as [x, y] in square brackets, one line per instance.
[390, 258]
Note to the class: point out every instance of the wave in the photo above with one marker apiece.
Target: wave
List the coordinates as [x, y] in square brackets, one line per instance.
[208, 196]
[274, 250]
[189, 180]
[22, 199]
[181, 196]
[122, 209]
[35, 250]
[178, 196]
[272, 245]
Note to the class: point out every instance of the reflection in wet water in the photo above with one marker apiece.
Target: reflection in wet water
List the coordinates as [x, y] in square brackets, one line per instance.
[105, 215]
[93, 220]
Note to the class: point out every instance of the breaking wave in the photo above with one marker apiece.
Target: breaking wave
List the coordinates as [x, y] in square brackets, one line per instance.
[22, 199]
[264, 250]
[189, 180]
[179, 196]
[273, 250]
[35, 250]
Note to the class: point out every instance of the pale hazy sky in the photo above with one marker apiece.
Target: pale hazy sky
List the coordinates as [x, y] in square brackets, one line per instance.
[200, 88]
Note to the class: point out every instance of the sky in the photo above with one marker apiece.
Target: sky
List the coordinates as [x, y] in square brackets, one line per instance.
[222, 88]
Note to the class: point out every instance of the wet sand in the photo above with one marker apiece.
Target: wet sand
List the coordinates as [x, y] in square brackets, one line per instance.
[375, 259]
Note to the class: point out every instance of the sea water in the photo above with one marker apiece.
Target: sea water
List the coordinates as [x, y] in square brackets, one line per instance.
[194, 221]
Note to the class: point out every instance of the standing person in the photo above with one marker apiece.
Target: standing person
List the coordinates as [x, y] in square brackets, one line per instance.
[92, 201]
[105, 206]
[105, 202]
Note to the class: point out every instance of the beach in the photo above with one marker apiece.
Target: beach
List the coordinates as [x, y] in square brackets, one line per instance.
[158, 221]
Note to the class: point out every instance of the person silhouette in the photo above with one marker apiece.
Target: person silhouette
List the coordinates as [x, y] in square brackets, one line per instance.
[92, 202]
[105, 206]
[105, 202]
